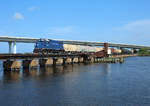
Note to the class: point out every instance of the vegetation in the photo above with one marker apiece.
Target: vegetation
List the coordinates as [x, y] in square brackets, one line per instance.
[144, 52]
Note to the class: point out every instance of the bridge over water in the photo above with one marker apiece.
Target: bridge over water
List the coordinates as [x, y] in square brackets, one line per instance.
[15, 40]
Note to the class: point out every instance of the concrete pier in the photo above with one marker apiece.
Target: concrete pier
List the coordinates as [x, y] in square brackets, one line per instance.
[80, 60]
[68, 60]
[92, 59]
[88, 59]
[75, 60]
[45, 62]
[9, 43]
[64, 61]
[29, 63]
[9, 65]
[42, 62]
[121, 60]
[57, 61]
[15, 48]
[25, 64]
[49, 62]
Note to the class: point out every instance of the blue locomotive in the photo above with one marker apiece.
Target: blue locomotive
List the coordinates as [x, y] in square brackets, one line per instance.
[48, 46]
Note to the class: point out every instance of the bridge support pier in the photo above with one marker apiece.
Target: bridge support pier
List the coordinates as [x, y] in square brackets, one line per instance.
[75, 60]
[49, 62]
[95, 60]
[92, 59]
[80, 59]
[15, 48]
[86, 59]
[64, 61]
[46, 62]
[57, 61]
[9, 43]
[68, 60]
[42, 62]
[29, 63]
[9, 65]
[25, 64]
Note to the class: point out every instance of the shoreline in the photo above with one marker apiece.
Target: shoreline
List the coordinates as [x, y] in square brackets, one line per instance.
[124, 56]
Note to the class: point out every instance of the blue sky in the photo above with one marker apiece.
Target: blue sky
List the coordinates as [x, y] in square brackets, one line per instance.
[117, 21]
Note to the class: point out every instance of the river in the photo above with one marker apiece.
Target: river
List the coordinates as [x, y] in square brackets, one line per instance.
[97, 84]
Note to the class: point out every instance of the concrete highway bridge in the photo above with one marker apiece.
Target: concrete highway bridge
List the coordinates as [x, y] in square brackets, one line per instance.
[15, 40]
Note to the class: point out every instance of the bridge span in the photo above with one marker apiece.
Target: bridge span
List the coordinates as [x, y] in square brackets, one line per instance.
[15, 40]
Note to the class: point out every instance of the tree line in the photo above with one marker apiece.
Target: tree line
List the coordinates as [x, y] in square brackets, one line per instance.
[144, 52]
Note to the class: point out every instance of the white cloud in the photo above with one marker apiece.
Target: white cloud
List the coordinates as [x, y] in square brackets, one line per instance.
[33, 8]
[18, 16]
[136, 27]
[60, 30]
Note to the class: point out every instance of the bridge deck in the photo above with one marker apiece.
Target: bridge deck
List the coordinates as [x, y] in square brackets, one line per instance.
[75, 42]
[33, 55]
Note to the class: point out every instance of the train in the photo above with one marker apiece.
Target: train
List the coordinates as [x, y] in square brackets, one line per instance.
[47, 46]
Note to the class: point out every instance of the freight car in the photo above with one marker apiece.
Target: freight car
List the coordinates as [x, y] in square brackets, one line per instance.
[53, 46]
[81, 48]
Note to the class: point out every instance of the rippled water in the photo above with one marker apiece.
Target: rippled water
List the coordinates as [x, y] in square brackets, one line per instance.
[97, 84]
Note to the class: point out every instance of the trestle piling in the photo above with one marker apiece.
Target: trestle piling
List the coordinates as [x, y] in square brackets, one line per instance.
[35, 61]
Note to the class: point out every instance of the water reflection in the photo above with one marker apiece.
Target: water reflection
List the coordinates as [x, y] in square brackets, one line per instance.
[41, 72]
[107, 69]
[68, 68]
[26, 73]
[46, 71]
[75, 66]
[11, 76]
[32, 72]
[58, 69]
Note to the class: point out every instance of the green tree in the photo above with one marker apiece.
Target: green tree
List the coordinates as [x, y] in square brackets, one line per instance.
[144, 52]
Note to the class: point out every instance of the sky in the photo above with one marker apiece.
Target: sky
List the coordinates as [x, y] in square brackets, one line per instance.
[115, 21]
